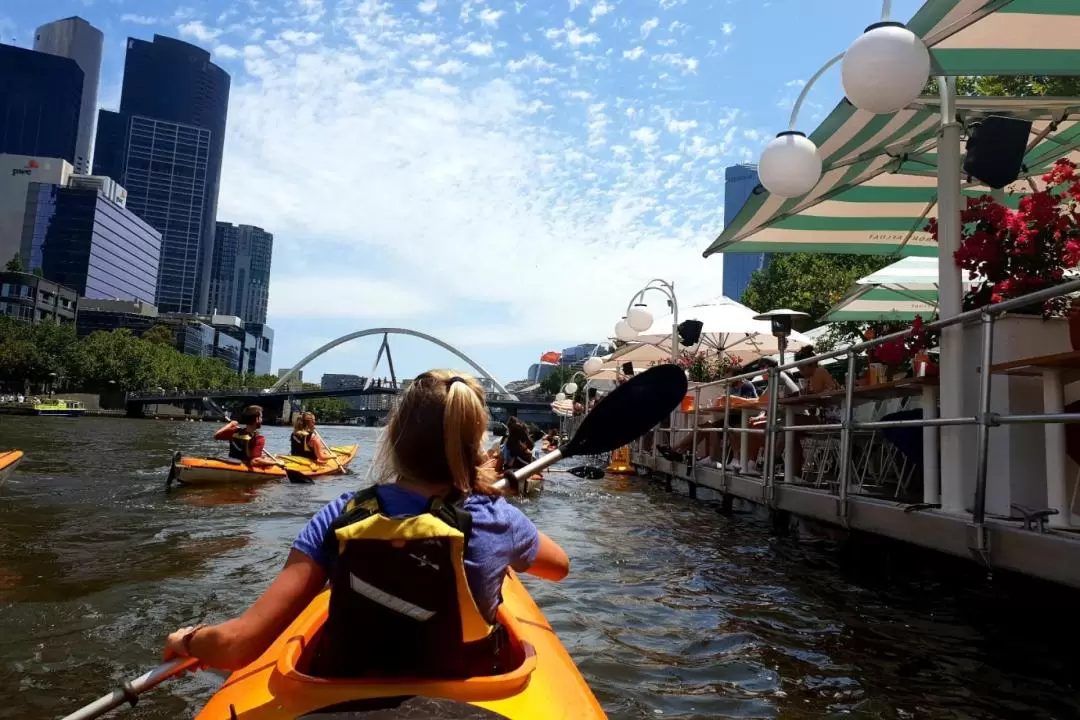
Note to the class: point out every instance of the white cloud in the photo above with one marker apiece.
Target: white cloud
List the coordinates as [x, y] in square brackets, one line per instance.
[427, 6]
[600, 9]
[727, 28]
[302, 39]
[575, 37]
[645, 135]
[197, 31]
[139, 19]
[353, 298]
[648, 26]
[795, 83]
[421, 39]
[470, 168]
[681, 126]
[532, 61]
[450, 67]
[634, 54]
[490, 17]
[479, 49]
[226, 51]
[689, 65]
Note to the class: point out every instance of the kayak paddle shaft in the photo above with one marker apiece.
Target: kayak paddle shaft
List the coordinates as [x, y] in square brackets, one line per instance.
[129, 691]
[531, 469]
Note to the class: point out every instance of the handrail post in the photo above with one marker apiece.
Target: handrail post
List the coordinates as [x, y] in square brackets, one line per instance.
[724, 438]
[845, 436]
[770, 434]
[985, 419]
[692, 464]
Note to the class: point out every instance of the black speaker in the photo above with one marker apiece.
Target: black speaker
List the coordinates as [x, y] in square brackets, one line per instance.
[995, 149]
[689, 332]
[628, 369]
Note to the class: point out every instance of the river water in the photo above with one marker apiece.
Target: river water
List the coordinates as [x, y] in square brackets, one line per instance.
[672, 610]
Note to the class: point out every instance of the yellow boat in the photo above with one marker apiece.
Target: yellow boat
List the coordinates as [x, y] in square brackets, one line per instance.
[620, 462]
[218, 471]
[9, 460]
[544, 685]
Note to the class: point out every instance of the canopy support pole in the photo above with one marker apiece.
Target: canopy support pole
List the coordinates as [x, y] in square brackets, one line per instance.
[953, 478]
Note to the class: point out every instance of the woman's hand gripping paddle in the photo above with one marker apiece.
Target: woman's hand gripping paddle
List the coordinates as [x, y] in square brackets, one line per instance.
[129, 691]
[631, 410]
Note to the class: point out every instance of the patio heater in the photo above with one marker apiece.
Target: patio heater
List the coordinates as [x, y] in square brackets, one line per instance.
[781, 321]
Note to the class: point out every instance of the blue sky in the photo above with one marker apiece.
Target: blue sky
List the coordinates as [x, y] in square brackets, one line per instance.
[502, 175]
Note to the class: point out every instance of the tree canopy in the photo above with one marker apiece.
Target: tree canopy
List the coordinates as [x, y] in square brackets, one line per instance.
[34, 354]
[808, 282]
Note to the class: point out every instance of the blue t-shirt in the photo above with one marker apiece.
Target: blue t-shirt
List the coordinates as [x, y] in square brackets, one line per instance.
[502, 537]
[748, 391]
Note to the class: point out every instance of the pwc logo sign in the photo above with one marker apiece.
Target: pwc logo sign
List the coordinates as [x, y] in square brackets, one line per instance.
[31, 166]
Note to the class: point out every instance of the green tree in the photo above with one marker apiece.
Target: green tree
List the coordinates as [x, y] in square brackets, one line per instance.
[159, 335]
[1016, 86]
[328, 409]
[15, 264]
[558, 378]
[808, 282]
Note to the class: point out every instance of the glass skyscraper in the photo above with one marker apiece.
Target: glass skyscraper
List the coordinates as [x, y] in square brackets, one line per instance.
[165, 146]
[240, 275]
[739, 184]
[79, 40]
[40, 100]
[81, 239]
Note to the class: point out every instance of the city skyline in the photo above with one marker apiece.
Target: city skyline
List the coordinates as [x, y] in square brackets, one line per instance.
[503, 176]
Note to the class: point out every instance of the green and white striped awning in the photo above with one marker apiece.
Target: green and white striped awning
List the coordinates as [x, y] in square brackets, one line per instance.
[900, 291]
[878, 184]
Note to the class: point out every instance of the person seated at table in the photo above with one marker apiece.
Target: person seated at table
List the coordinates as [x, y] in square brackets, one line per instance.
[677, 453]
[816, 380]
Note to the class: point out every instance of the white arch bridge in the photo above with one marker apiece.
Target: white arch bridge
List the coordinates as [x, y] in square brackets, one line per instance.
[385, 348]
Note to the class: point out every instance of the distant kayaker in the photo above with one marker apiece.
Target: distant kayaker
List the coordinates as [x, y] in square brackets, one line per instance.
[246, 443]
[305, 441]
[415, 564]
[517, 449]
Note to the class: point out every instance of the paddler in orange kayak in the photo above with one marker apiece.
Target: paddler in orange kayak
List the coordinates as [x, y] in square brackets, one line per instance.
[246, 443]
[305, 441]
[415, 564]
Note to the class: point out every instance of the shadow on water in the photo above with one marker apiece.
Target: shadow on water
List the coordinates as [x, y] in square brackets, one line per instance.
[671, 610]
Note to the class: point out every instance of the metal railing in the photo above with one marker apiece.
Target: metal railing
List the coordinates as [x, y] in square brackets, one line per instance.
[984, 419]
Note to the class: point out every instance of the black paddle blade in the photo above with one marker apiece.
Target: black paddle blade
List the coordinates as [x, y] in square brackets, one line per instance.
[631, 410]
[172, 470]
[587, 472]
[298, 478]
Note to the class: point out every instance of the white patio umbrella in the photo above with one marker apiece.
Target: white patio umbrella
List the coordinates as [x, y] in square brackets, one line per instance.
[898, 292]
[727, 327]
[640, 354]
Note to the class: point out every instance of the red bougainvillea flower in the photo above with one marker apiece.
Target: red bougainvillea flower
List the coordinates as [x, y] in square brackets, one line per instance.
[1012, 253]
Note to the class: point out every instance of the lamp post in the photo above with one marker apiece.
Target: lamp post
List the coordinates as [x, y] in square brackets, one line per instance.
[883, 71]
[638, 318]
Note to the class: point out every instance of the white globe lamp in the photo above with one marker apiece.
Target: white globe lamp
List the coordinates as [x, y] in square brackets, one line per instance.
[570, 388]
[639, 318]
[559, 397]
[592, 365]
[790, 165]
[624, 332]
[885, 69]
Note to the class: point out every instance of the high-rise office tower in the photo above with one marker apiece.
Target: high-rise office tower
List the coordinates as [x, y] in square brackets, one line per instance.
[81, 237]
[165, 146]
[80, 41]
[739, 184]
[240, 278]
[40, 98]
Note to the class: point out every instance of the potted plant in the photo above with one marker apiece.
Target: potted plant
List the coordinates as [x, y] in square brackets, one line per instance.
[1011, 253]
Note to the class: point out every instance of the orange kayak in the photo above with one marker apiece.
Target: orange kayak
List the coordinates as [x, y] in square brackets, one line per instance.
[9, 460]
[219, 471]
[343, 455]
[546, 685]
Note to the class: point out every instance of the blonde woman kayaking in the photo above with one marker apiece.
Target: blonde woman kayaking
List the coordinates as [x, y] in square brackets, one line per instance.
[395, 556]
[305, 441]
